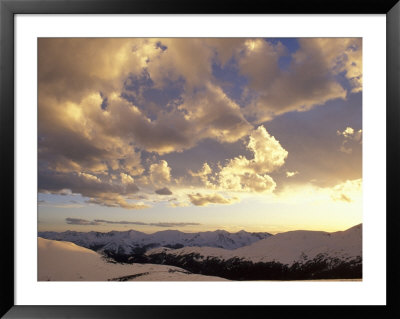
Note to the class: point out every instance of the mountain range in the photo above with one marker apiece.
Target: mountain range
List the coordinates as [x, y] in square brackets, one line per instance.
[300, 255]
[286, 248]
[130, 242]
[236, 256]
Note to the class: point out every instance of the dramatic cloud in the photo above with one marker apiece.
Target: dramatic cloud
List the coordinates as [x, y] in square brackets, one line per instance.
[102, 191]
[226, 48]
[126, 179]
[187, 58]
[111, 111]
[163, 191]
[345, 191]
[89, 177]
[242, 174]
[216, 116]
[203, 175]
[311, 78]
[206, 199]
[260, 62]
[70, 68]
[205, 170]
[160, 173]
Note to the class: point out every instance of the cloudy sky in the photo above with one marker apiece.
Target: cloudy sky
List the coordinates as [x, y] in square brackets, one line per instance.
[199, 134]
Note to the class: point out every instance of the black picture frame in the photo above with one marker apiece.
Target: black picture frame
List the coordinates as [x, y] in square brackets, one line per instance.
[9, 8]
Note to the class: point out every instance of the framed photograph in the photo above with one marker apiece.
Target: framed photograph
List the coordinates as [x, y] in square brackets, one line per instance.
[168, 159]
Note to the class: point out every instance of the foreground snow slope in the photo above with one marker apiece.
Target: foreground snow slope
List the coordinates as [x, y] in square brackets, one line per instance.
[287, 247]
[65, 261]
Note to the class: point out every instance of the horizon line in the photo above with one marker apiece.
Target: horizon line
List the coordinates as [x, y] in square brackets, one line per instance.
[210, 231]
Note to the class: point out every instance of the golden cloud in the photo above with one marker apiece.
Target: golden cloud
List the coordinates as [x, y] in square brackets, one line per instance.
[206, 199]
[160, 173]
[242, 174]
[346, 190]
[291, 174]
[115, 200]
[310, 79]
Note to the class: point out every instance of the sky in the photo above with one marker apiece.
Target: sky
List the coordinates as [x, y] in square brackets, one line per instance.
[199, 134]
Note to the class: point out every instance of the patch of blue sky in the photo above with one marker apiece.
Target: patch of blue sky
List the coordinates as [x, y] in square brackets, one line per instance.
[168, 97]
[291, 44]
[140, 91]
[104, 103]
[135, 83]
[344, 81]
[321, 122]
[312, 142]
[230, 80]
[161, 46]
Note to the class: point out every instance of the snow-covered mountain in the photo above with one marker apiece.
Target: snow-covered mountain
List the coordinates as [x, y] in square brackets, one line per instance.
[133, 242]
[286, 256]
[65, 261]
[286, 248]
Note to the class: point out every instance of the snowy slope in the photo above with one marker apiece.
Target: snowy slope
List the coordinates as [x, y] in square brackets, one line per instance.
[291, 246]
[127, 241]
[286, 248]
[65, 261]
